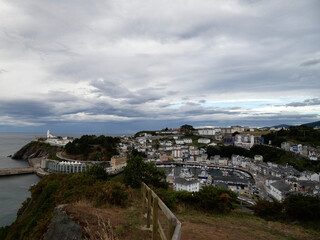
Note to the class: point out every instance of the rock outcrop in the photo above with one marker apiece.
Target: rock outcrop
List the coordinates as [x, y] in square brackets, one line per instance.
[62, 227]
[35, 149]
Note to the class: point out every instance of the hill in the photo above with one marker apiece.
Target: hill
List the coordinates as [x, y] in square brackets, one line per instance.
[109, 209]
[298, 134]
[279, 126]
[313, 124]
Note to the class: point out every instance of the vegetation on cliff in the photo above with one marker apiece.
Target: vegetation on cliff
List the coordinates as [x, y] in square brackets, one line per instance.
[35, 149]
[36, 212]
[91, 147]
[298, 134]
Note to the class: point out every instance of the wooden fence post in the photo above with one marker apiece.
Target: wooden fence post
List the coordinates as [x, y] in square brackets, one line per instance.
[155, 218]
[149, 208]
[172, 226]
[143, 199]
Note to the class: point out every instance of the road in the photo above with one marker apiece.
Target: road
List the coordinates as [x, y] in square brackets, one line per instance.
[260, 184]
[59, 155]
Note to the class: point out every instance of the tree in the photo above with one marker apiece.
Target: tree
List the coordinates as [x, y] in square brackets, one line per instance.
[186, 128]
[138, 171]
[132, 174]
[153, 176]
[97, 172]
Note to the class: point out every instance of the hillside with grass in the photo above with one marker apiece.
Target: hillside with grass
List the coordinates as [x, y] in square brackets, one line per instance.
[299, 134]
[105, 208]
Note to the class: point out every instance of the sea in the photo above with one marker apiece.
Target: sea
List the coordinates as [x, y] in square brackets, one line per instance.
[13, 189]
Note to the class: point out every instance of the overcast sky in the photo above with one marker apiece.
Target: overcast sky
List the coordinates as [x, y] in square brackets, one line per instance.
[115, 66]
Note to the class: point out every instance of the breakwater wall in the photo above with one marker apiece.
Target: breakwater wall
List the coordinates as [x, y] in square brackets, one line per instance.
[17, 171]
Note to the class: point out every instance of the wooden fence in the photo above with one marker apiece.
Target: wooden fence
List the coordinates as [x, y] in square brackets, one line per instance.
[164, 222]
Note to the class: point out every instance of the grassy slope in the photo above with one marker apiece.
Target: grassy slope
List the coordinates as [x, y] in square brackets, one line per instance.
[202, 226]
[90, 205]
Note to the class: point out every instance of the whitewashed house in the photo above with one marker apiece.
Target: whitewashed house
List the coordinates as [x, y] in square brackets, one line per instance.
[278, 190]
[187, 140]
[207, 132]
[179, 141]
[309, 176]
[182, 184]
[204, 140]
[258, 158]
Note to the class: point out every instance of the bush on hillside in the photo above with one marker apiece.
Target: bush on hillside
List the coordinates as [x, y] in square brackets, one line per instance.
[97, 172]
[296, 207]
[302, 207]
[209, 199]
[268, 210]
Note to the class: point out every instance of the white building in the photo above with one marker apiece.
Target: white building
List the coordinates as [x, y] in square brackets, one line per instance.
[207, 132]
[309, 176]
[244, 140]
[179, 141]
[57, 141]
[182, 184]
[64, 166]
[187, 140]
[177, 153]
[204, 140]
[258, 158]
[278, 190]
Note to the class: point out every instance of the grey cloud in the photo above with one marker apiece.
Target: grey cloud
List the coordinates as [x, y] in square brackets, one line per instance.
[145, 59]
[310, 62]
[25, 108]
[307, 102]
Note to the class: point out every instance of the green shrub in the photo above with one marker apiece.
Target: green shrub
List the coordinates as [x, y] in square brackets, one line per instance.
[4, 232]
[97, 172]
[302, 207]
[168, 196]
[115, 193]
[268, 210]
[215, 199]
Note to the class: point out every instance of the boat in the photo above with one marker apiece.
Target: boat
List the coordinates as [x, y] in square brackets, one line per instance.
[203, 174]
[225, 173]
[185, 173]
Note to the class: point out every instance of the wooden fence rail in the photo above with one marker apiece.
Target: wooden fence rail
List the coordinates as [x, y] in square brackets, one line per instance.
[171, 230]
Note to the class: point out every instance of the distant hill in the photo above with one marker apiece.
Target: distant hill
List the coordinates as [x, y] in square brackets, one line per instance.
[313, 124]
[282, 125]
[278, 126]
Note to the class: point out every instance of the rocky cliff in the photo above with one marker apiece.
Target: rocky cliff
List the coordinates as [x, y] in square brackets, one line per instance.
[35, 149]
[62, 227]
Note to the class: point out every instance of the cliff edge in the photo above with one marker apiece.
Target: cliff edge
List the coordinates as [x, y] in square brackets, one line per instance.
[35, 149]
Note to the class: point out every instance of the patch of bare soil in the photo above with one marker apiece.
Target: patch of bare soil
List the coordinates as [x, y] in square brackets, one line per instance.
[111, 222]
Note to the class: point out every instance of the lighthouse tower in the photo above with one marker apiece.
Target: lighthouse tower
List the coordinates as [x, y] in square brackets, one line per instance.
[49, 135]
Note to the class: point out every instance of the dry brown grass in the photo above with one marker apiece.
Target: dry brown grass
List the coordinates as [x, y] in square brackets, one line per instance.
[237, 226]
[109, 222]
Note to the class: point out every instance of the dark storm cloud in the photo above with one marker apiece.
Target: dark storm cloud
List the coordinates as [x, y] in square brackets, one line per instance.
[34, 109]
[307, 102]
